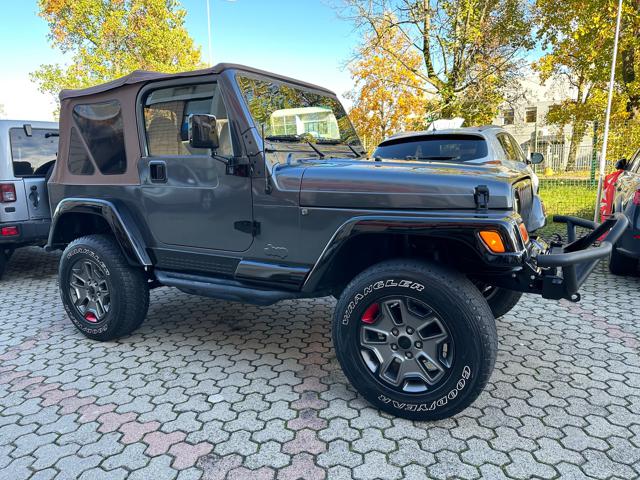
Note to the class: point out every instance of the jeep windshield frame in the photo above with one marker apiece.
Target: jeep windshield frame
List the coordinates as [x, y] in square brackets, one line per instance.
[291, 113]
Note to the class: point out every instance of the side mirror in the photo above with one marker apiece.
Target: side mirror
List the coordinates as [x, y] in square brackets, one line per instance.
[536, 158]
[203, 132]
[621, 164]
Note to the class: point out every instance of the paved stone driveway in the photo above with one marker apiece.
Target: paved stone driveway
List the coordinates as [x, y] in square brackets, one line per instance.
[213, 390]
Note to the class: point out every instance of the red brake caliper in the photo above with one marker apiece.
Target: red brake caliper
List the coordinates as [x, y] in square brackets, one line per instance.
[371, 313]
[90, 317]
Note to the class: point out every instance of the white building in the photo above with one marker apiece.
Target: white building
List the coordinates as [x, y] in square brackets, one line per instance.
[525, 118]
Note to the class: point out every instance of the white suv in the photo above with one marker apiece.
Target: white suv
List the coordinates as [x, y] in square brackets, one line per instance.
[488, 145]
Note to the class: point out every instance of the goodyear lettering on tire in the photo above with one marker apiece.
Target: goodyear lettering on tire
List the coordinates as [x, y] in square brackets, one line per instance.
[440, 402]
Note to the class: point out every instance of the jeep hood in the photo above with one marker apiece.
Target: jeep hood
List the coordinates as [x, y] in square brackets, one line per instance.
[403, 185]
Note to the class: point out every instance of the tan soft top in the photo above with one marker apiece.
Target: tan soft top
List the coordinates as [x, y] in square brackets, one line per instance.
[144, 76]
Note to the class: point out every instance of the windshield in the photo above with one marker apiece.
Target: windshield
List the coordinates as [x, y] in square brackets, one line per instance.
[291, 113]
[457, 148]
[33, 155]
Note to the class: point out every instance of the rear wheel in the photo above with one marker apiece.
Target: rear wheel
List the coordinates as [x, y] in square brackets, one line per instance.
[103, 295]
[501, 301]
[416, 340]
[620, 264]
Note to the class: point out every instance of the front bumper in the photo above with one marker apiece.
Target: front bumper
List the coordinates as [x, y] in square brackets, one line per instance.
[29, 232]
[557, 271]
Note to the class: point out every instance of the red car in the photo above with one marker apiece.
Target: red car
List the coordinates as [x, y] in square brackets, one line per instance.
[608, 194]
[621, 193]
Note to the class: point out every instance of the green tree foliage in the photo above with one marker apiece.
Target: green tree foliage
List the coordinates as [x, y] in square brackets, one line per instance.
[470, 50]
[106, 39]
[578, 38]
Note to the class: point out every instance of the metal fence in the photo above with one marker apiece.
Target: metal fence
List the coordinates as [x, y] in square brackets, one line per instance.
[569, 179]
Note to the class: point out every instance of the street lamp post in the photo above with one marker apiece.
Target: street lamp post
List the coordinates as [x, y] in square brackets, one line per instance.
[209, 33]
[607, 115]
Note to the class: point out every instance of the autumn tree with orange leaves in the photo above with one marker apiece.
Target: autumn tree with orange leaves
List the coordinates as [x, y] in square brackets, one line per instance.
[106, 39]
[387, 97]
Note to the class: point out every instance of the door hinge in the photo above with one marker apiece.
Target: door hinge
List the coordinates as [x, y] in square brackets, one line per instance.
[248, 226]
[481, 197]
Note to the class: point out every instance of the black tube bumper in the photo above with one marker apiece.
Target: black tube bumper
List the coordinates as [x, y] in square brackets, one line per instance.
[557, 271]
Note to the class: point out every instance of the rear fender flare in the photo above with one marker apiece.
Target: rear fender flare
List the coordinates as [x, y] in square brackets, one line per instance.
[121, 223]
[463, 228]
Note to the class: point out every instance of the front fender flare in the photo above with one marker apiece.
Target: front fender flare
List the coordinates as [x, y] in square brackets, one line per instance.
[117, 217]
[462, 227]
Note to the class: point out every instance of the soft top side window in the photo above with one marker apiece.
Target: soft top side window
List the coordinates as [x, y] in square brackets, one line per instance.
[166, 115]
[101, 127]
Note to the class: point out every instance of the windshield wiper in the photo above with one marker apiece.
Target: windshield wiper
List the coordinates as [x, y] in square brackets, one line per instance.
[283, 138]
[294, 138]
[430, 157]
[316, 149]
[333, 141]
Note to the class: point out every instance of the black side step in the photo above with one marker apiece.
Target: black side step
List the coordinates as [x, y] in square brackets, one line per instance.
[223, 289]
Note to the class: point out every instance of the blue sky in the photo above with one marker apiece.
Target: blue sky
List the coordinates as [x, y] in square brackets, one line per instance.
[300, 38]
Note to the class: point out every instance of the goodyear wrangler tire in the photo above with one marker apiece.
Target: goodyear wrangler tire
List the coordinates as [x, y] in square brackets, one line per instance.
[416, 340]
[104, 296]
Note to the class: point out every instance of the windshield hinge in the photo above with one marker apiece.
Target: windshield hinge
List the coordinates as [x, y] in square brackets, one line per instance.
[248, 226]
[481, 197]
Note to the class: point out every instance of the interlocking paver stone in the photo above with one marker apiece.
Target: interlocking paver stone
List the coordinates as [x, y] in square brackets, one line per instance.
[214, 390]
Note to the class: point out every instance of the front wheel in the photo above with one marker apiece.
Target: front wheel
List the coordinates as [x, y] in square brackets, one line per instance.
[416, 340]
[501, 301]
[103, 295]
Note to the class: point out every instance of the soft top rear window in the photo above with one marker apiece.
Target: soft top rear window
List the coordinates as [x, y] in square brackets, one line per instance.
[455, 148]
[33, 155]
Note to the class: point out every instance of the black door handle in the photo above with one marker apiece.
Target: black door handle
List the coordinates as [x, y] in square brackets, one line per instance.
[157, 171]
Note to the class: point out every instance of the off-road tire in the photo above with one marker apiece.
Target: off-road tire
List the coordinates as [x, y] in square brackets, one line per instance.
[620, 264]
[127, 285]
[501, 301]
[461, 308]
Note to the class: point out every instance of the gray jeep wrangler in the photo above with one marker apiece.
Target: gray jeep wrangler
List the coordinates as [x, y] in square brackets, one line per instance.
[243, 185]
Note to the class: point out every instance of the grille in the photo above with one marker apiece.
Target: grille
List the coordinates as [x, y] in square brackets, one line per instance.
[523, 198]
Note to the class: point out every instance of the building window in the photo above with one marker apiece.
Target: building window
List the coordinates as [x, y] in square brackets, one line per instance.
[508, 116]
[531, 114]
[284, 125]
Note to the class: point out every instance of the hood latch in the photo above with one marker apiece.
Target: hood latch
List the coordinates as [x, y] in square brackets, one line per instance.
[481, 197]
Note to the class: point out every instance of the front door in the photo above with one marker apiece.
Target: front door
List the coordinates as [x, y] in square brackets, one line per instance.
[189, 199]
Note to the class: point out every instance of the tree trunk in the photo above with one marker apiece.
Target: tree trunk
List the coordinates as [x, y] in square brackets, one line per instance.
[577, 135]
